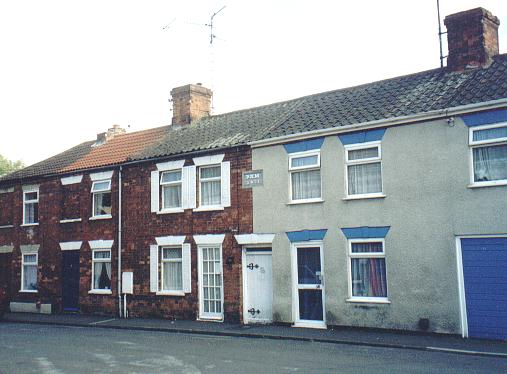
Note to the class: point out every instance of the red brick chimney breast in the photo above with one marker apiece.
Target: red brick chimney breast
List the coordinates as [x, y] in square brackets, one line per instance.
[472, 38]
[190, 102]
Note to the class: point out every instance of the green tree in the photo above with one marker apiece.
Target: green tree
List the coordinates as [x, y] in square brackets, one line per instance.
[7, 166]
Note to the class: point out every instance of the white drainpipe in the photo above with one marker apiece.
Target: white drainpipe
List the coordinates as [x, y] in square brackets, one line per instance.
[119, 242]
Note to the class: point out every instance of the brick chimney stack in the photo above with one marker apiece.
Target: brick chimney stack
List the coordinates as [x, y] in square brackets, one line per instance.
[111, 133]
[190, 103]
[472, 38]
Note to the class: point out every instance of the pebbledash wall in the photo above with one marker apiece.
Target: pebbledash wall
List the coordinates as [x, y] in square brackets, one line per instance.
[427, 204]
[140, 228]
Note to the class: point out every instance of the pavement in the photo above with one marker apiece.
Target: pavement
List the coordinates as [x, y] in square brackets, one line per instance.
[346, 335]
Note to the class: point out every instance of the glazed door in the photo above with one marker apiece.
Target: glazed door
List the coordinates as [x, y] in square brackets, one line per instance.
[211, 283]
[70, 280]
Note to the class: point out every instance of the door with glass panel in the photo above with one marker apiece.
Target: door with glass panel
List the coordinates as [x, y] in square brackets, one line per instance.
[211, 283]
[308, 279]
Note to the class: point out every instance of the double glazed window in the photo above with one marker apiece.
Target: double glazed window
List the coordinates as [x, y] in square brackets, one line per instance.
[30, 207]
[101, 192]
[488, 145]
[367, 265]
[170, 182]
[363, 169]
[210, 192]
[171, 269]
[29, 272]
[101, 269]
[305, 181]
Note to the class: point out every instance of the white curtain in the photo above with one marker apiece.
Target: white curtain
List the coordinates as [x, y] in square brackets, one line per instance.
[173, 278]
[102, 275]
[364, 178]
[490, 163]
[210, 193]
[30, 277]
[30, 212]
[172, 196]
[305, 184]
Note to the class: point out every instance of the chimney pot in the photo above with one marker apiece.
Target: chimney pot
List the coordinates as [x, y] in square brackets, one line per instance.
[472, 38]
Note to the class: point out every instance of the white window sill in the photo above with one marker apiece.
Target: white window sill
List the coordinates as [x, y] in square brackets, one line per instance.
[29, 224]
[307, 201]
[28, 291]
[6, 227]
[95, 218]
[487, 184]
[70, 220]
[216, 319]
[362, 197]
[208, 208]
[171, 210]
[99, 292]
[170, 293]
[369, 300]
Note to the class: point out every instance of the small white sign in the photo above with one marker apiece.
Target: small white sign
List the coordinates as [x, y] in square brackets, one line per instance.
[127, 282]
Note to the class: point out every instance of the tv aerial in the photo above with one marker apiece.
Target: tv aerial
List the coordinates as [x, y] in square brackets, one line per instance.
[209, 25]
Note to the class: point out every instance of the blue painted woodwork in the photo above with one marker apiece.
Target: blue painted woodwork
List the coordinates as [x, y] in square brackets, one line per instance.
[305, 145]
[362, 136]
[306, 235]
[365, 232]
[485, 118]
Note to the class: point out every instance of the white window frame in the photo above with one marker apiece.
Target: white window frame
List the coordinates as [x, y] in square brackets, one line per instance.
[162, 291]
[100, 191]
[292, 169]
[363, 161]
[168, 184]
[25, 202]
[479, 144]
[212, 179]
[23, 263]
[350, 255]
[103, 291]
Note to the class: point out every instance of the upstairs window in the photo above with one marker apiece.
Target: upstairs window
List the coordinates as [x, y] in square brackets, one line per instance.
[305, 181]
[363, 170]
[29, 272]
[6, 207]
[30, 206]
[488, 147]
[210, 185]
[171, 186]
[101, 198]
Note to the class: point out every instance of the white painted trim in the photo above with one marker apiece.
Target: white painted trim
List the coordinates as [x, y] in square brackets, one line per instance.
[29, 248]
[369, 300]
[388, 122]
[170, 240]
[461, 289]
[27, 190]
[170, 165]
[208, 160]
[29, 224]
[29, 252]
[171, 211]
[295, 285]
[70, 220]
[501, 182]
[6, 190]
[6, 248]
[70, 246]
[100, 292]
[31, 188]
[254, 238]
[372, 160]
[246, 315]
[305, 201]
[104, 216]
[472, 129]
[102, 175]
[208, 208]
[74, 179]
[365, 197]
[201, 315]
[100, 244]
[7, 227]
[313, 152]
[209, 239]
[170, 293]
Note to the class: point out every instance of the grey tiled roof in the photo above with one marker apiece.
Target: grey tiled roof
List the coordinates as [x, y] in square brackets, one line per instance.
[418, 93]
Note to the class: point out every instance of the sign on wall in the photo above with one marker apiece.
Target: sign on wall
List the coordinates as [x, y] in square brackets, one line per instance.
[252, 178]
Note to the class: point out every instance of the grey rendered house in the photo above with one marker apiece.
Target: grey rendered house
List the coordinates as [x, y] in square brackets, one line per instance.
[385, 205]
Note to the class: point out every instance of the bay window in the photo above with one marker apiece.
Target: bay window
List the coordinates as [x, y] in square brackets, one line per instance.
[305, 181]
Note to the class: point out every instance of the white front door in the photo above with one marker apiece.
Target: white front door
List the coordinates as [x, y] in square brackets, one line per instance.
[308, 285]
[258, 278]
[211, 295]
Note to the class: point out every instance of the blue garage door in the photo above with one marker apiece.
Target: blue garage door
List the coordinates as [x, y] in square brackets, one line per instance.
[485, 275]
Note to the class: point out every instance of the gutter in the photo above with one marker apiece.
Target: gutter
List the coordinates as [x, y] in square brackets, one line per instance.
[394, 121]
[119, 241]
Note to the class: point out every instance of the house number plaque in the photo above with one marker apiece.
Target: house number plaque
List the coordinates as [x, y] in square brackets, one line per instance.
[252, 178]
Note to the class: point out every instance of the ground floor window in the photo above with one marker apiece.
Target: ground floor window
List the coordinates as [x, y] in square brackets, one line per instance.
[171, 269]
[367, 269]
[101, 268]
[29, 272]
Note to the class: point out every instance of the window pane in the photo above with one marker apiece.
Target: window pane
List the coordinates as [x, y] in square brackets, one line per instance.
[101, 254]
[30, 258]
[173, 279]
[359, 154]
[310, 305]
[172, 196]
[102, 203]
[211, 193]
[305, 184]
[488, 134]
[369, 277]
[364, 179]
[101, 186]
[102, 275]
[211, 172]
[305, 161]
[172, 176]
[30, 277]
[309, 268]
[490, 163]
[170, 253]
[367, 247]
[31, 196]
[31, 212]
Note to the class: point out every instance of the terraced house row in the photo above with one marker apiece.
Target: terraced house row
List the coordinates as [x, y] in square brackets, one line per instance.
[382, 205]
